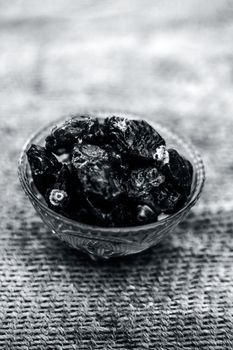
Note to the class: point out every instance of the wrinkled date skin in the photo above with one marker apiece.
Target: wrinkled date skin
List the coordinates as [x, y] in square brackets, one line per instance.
[62, 139]
[179, 172]
[134, 138]
[44, 167]
[113, 172]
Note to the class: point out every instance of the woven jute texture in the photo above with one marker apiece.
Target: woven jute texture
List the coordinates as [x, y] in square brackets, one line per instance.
[173, 61]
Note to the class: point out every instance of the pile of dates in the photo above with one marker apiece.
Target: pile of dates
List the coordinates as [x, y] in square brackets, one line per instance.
[110, 172]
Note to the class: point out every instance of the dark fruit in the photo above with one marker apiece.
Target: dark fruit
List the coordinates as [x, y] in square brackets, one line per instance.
[44, 166]
[142, 180]
[179, 172]
[167, 199]
[62, 139]
[133, 138]
[115, 172]
[84, 153]
[99, 182]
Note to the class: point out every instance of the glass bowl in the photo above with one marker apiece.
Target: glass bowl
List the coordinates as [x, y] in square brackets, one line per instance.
[105, 242]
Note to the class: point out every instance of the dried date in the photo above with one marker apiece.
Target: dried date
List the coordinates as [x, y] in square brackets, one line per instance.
[167, 199]
[179, 172]
[134, 138]
[112, 172]
[99, 181]
[44, 167]
[88, 153]
[62, 139]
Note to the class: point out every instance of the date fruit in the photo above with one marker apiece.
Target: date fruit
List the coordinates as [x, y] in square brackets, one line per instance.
[110, 172]
[44, 167]
[134, 138]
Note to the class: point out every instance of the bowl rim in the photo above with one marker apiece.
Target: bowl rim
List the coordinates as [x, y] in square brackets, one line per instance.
[192, 200]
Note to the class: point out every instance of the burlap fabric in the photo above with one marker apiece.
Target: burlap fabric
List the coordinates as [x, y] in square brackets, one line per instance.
[173, 61]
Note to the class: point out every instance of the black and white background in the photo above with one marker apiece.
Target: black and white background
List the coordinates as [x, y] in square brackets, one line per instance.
[172, 60]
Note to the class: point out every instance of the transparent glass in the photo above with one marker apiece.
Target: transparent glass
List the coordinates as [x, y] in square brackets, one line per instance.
[108, 242]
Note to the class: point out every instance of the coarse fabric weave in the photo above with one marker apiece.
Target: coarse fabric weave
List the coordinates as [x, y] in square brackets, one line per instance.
[173, 61]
